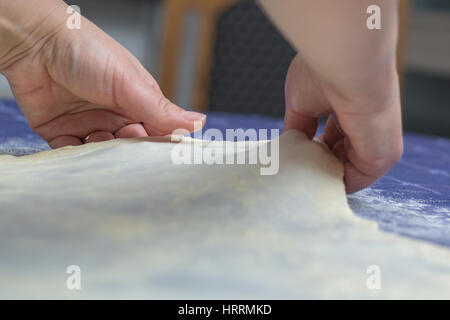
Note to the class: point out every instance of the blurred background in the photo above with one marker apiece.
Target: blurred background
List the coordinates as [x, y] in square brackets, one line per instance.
[224, 55]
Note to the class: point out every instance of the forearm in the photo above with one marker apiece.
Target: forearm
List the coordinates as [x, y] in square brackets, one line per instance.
[333, 38]
[26, 23]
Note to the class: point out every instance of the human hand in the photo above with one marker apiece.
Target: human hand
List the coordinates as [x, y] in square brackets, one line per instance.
[364, 127]
[349, 71]
[77, 86]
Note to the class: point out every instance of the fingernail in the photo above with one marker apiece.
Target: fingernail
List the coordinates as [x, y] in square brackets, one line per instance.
[87, 138]
[193, 116]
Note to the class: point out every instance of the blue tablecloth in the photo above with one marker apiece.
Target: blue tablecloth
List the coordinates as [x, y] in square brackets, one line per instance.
[413, 199]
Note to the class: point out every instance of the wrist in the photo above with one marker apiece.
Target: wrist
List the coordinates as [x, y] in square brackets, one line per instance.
[25, 24]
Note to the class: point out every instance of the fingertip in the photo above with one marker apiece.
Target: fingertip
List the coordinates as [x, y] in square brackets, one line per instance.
[355, 180]
[193, 116]
[164, 117]
[191, 120]
[188, 120]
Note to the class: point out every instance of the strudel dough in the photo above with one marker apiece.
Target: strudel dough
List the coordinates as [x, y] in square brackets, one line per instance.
[139, 226]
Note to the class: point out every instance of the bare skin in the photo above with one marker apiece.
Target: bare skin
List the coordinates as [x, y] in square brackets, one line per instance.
[77, 86]
[345, 69]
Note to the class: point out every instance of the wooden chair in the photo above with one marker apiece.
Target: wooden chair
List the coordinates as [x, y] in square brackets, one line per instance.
[404, 13]
[175, 12]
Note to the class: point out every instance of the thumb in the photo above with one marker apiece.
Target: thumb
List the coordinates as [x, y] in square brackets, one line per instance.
[148, 105]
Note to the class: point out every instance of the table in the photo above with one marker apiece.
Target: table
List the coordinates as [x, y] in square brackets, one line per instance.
[412, 200]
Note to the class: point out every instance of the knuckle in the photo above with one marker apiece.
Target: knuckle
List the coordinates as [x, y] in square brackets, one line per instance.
[383, 165]
[397, 153]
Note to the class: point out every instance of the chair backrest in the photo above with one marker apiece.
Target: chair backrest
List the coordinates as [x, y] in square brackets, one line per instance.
[251, 59]
[174, 18]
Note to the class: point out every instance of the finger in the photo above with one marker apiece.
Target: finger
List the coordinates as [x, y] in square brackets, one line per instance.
[339, 150]
[332, 133]
[151, 131]
[356, 180]
[373, 144]
[82, 123]
[99, 136]
[293, 120]
[148, 105]
[334, 138]
[134, 130]
[63, 141]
